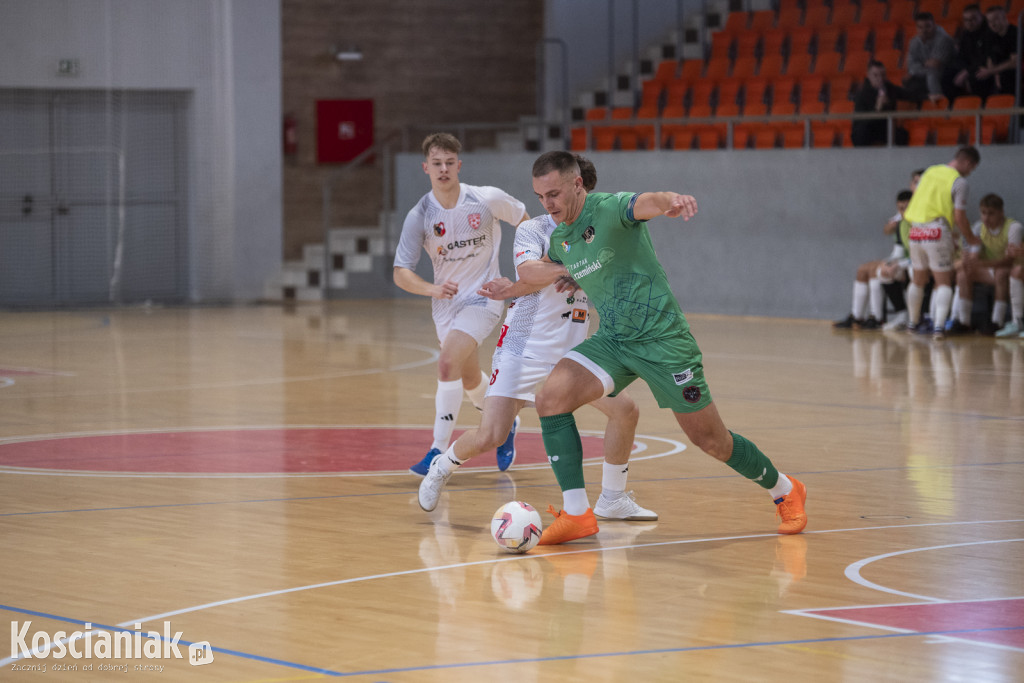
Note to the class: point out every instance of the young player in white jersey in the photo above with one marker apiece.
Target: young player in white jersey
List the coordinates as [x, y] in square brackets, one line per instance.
[458, 226]
[541, 326]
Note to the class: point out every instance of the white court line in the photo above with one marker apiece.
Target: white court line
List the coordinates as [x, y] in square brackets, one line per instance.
[514, 558]
[673, 448]
[853, 570]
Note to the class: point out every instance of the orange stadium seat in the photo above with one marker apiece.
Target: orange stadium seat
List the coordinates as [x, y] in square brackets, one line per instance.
[773, 43]
[817, 17]
[743, 135]
[736, 23]
[765, 137]
[650, 95]
[678, 136]
[771, 66]
[886, 36]
[811, 89]
[798, 65]
[828, 40]
[691, 70]
[855, 64]
[800, 41]
[839, 88]
[665, 71]
[791, 134]
[856, 38]
[893, 60]
[790, 16]
[721, 46]
[754, 97]
[620, 113]
[744, 67]
[709, 137]
[762, 21]
[843, 126]
[872, 12]
[948, 133]
[717, 69]
[901, 12]
[844, 14]
[578, 139]
[782, 96]
[827, 64]
[747, 44]
[596, 114]
[918, 132]
[824, 134]
[1000, 123]
[936, 7]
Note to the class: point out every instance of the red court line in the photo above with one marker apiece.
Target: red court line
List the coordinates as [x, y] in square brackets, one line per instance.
[967, 615]
[235, 451]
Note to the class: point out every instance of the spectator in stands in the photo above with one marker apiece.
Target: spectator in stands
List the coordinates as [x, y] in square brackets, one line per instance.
[930, 60]
[873, 275]
[876, 94]
[1015, 328]
[991, 267]
[1001, 61]
[972, 47]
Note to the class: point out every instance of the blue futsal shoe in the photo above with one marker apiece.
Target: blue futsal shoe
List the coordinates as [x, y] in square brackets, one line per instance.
[507, 451]
[423, 465]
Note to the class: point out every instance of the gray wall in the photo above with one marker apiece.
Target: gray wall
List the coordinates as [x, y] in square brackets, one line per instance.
[226, 55]
[779, 232]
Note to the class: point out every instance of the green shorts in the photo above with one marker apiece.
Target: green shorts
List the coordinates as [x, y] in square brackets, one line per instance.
[672, 368]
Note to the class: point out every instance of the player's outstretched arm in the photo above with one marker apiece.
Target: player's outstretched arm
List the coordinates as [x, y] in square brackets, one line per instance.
[540, 272]
[408, 280]
[502, 288]
[671, 204]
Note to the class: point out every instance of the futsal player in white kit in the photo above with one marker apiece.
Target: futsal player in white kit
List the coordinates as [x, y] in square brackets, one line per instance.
[541, 326]
[458, 226]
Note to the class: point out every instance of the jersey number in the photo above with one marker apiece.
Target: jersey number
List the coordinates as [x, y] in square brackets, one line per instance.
[501, 337]
[494, 377]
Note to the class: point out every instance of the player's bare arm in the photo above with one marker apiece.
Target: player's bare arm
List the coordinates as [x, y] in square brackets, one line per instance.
[408, 280]
[541, 272]
[963, 226]
[670, 204]
[502, 288]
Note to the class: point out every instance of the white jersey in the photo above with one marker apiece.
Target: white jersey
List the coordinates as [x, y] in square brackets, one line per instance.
[462, 243]
[544, 325]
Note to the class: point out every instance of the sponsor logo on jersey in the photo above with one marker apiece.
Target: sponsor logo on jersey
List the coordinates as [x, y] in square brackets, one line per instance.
[439, 229]
[565, 316]
[474, 242]
[523, 253]
[579, 315]
[588, 234]
[683, 377]
[441, 251]
[474, 221]
[566, 247]
[570, 299]
[921, 233]
[587, 270]
[691, 394]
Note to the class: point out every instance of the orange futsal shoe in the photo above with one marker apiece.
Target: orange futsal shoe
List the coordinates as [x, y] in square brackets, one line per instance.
[790, 508]
[568, 527]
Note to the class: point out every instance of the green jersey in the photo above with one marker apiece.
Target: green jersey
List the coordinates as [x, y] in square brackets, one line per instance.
[610, 255]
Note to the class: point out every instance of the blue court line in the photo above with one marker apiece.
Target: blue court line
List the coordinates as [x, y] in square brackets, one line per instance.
[486, 488]
[528, 660]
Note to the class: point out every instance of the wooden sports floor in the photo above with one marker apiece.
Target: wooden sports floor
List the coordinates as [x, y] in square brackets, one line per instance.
[235, 479]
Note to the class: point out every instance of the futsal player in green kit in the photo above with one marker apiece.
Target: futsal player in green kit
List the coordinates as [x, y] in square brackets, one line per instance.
[603, 242]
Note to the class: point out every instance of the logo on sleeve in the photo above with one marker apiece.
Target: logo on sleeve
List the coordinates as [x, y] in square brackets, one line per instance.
[566, 246]
[439, 229]
[474, 221]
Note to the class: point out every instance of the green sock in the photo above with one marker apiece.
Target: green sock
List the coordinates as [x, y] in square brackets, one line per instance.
[565, 450]
[748, 460]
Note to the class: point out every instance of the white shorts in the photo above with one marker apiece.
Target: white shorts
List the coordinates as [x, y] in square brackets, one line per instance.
[516, 377]
[476, 321]
[931, 246]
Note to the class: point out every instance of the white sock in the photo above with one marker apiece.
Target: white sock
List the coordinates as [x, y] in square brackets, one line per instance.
[613, 479]
[860, 299]
[943, 298]
[476, 394]
[1017, 298]
[782, 487]
[915, 297]
[999, 312]
[877, 298]
[447, 460]
[447, 402]
[575, 501]
[964, 310]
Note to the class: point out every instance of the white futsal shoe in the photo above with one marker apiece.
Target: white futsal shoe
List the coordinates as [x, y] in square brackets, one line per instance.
[624, 507]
